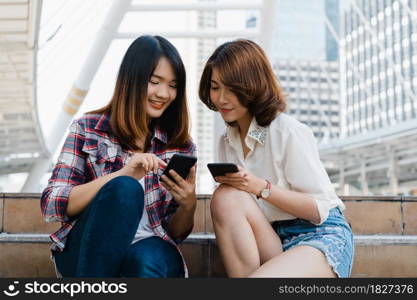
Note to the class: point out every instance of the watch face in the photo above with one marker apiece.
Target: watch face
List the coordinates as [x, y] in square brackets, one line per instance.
[265, 193]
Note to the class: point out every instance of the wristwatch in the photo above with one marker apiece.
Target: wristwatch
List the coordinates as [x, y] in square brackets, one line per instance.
[266, 191]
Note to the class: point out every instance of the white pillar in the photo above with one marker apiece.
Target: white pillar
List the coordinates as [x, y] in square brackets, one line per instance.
[393, 173]
[79, 90]
[364, 179]
[268, 20]
[342, 177]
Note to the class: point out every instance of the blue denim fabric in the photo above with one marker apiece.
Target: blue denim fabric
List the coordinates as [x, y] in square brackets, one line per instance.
[99, 244]
[333, 237]
[152, 258]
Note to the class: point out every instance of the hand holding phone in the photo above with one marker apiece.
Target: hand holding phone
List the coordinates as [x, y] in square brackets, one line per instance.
[183, 191]
[220, 169]
[181, 164]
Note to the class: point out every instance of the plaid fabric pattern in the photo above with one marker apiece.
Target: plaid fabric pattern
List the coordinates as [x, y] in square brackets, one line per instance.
[89, 152]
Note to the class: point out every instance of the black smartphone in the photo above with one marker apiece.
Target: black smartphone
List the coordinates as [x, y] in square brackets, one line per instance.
[220, 169]
[181, 164]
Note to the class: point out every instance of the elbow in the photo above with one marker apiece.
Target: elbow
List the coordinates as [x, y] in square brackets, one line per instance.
[317, 216]
[179, 238]
[52, 208]
[71, 211]
[45, 199]
[316, 220]
[179, 235]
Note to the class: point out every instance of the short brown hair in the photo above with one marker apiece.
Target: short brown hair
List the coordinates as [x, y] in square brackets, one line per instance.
[244, 68]
[128, 117]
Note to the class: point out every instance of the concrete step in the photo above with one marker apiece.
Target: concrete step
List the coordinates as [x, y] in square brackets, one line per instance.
[367, 215]
[27, 255]
[383, 227]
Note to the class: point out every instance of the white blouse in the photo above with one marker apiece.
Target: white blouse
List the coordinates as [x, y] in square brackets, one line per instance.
[286, 154]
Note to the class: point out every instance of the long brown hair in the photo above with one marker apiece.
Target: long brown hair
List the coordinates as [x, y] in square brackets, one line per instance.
[128, 119]
[244, 68]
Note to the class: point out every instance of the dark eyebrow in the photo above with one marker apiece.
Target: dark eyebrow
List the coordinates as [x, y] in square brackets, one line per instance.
[160, 77]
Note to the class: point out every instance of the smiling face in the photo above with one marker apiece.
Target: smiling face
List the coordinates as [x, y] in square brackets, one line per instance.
[226, 101]
[162, 89]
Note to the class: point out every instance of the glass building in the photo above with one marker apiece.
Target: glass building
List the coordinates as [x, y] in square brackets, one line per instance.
[380, 62]
[312, 89]
[306, 62]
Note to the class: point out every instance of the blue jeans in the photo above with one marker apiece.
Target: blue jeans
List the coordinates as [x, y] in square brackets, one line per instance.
[100, 243]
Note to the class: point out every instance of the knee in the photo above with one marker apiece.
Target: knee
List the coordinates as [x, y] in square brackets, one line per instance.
[227, 200]
[147, 264]
[152, 258]
[124, 191]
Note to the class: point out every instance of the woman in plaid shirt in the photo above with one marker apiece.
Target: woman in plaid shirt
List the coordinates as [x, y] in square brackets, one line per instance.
[118, 218]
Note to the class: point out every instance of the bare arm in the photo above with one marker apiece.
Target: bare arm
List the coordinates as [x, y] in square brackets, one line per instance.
[182, 222]
[139, 164]
[298, 204]
[81, 195]
[301, 205]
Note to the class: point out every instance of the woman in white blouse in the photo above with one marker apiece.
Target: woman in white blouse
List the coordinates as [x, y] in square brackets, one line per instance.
[279, 215]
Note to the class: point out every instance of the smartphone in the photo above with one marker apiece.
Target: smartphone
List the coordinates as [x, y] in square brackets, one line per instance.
[181, 164]
[220, 169]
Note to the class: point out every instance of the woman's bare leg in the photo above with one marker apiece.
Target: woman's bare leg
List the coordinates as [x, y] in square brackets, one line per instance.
[300, 261]
[245, 238]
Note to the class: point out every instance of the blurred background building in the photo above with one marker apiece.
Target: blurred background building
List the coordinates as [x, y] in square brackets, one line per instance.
[376, 152]
[205, 119]
[308, 69]
[348, 68]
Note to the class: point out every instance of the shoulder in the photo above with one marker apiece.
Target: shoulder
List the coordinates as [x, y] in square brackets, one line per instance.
[189, 147]
[88, 121]
[224, 138]
[91, 124]
[90, 127]
[287, 126]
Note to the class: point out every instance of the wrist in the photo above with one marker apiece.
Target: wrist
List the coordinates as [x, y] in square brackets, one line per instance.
[189, 207]
[259, 185]
[265, 191]
[120, 172]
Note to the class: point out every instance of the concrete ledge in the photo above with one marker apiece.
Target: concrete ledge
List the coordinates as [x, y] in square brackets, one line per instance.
[388, 215]
[24, 238]
[208, 197]
[360, 240]
[381, 240]
[27, 255]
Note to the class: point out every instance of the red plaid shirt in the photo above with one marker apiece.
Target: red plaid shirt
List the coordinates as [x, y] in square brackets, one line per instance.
[90, 151]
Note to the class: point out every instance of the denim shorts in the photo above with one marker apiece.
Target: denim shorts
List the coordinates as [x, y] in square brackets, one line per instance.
[333, 237]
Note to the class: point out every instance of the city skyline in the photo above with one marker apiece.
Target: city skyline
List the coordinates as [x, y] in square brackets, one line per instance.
[370, 80]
